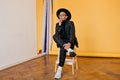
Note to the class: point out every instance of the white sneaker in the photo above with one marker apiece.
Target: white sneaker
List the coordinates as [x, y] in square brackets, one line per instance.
[58, 73]
[71, 52]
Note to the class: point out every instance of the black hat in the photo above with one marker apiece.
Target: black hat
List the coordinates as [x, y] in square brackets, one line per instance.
[64, 10]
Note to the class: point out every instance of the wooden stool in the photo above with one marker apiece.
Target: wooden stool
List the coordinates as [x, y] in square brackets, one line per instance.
[68, 61]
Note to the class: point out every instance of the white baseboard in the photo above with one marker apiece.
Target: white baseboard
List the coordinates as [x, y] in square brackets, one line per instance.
[19, 62]
[92, 54]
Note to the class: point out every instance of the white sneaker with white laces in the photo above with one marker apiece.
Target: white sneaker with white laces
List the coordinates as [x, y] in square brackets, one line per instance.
[58, 73]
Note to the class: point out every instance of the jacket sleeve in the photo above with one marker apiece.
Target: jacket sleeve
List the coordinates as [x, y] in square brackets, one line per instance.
[56, 36]
[72, 33]
[73, 39]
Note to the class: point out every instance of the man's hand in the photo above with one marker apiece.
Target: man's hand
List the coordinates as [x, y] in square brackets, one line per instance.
[60, 22]
[67, 46]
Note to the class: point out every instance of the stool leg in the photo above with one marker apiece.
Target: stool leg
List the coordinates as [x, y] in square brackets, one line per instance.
[72, 68]
[76, 64]
[56, 67]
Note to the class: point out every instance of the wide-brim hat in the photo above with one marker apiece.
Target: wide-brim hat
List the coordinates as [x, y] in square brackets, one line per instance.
[64, 10]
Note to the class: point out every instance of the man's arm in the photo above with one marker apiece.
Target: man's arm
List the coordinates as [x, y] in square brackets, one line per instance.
[71, 36]
[72, 33]
[56, 36]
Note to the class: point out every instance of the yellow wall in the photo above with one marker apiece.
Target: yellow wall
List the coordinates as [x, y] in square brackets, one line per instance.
[97, 24]
[39, 13]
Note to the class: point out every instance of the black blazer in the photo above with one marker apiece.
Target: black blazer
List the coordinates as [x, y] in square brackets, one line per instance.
[65, 33]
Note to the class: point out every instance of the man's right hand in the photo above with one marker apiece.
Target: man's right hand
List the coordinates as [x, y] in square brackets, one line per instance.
[60, 22]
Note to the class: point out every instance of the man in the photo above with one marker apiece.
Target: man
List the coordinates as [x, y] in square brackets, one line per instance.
[64, 37]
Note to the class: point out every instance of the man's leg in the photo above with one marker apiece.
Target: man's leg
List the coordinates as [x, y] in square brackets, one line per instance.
[61, 62]
[71, 52]
[62, 57]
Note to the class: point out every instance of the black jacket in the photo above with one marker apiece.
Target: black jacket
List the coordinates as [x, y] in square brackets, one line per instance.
[65, 33]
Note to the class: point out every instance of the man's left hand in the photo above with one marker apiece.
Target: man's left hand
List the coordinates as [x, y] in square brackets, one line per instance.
[67, 46]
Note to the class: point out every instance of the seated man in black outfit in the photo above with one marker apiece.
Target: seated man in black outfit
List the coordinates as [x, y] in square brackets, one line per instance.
[64, 37]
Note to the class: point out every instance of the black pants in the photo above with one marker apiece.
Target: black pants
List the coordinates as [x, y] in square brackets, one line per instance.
[62, 56]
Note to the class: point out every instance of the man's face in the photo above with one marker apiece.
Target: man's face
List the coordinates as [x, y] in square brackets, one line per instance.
[63, 16]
